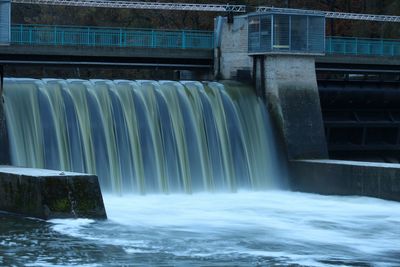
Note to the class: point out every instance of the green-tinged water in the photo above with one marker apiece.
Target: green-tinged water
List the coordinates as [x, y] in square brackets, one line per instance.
[143, 136]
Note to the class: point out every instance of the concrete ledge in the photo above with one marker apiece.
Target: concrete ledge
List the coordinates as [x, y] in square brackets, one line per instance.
[338, 177]
[50, 194]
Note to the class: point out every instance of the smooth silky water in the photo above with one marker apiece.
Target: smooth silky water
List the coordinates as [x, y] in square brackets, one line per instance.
[189, 171]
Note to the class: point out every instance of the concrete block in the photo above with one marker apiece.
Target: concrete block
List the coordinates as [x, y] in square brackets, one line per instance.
[48, 194]
[339, 177]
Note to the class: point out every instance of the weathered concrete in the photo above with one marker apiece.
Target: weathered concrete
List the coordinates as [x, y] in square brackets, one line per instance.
[49, 194]
[232, 55]
[292, 97]
[337, 177]
[4, 142]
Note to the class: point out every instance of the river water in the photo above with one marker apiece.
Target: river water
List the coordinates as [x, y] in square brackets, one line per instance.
[274, 228]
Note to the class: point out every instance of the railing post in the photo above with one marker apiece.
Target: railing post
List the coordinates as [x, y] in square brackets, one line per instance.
[382, 47]
[30, 36]
[55, 35]
[392, 49]
[356, 46]
[21, 27]
[88, 36]
[120, 37]
[183, 40]
[369, 48]
[153, 38]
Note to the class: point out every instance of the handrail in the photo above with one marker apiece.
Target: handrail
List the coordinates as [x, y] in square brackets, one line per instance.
[362, 46]
[34, 34]
[110, 37]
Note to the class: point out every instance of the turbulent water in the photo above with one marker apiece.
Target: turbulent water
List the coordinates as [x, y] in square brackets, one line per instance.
[241, 229]
[143, 136]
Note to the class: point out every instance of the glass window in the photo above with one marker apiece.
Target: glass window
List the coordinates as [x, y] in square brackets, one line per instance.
[281, 32]
[298, 34]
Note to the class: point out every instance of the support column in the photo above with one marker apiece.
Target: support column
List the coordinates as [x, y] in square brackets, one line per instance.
[292, 96]
[4, 143]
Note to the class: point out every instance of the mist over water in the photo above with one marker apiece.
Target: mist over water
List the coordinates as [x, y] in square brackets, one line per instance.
[144, 136]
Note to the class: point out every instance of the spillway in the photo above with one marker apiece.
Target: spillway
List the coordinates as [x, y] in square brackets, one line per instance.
[143, 136]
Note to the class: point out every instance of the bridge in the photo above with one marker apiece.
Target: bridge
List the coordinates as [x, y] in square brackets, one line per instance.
[146, 48]
[108, 47]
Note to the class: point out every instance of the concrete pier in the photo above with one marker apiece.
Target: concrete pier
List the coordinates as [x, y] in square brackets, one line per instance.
[4, 144]
[291, 93]
[48, 194]
[287, 82]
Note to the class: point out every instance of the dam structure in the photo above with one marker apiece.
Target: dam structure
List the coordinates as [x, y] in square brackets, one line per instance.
[245, 155]
[167, 136]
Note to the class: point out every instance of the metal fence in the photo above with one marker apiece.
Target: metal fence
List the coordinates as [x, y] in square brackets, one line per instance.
[110, 37]
[362, 46]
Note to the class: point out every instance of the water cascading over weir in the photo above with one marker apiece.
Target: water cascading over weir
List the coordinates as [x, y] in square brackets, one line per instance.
[143, 136]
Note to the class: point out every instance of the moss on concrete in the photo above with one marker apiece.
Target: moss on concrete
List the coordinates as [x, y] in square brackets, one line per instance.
[52, 196]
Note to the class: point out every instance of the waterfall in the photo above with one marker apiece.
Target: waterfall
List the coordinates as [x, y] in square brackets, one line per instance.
[143, 136]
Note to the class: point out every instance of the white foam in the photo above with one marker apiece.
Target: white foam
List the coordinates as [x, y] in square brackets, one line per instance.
[294, 227]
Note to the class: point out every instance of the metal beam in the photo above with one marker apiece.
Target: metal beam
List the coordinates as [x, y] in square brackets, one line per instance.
[331, 14]
[105, 64]
[138, 5]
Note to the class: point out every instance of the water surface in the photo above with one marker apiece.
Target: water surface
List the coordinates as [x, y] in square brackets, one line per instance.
[247, 228]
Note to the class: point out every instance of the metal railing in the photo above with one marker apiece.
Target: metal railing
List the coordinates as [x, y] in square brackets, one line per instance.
[362, 46]
[110, 37]
[182, 39]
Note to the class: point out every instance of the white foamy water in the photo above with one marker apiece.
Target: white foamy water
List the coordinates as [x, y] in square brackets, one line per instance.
[247, 228]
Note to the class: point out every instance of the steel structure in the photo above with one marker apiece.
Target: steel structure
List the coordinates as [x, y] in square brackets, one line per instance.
[331, 14]
[138, 5]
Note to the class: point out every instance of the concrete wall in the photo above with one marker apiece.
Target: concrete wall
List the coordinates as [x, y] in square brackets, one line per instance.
[291, 92]
[50, 194]
[233, 51]
[338, 177]
[5, 158]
